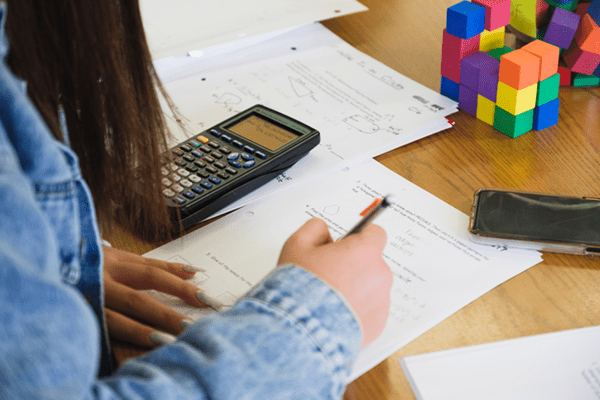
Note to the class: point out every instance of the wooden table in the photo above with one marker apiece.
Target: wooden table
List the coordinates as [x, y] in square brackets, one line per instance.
[563, 292]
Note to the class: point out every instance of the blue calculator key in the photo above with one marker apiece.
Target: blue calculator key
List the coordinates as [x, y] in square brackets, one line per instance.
[197, 153]
[247, 157]
[237, 143]
[197, 189]
[249, 164]
[226, 138]
[233, 156]
[180, 200]
[215, 132]
[188, 194]
[206, 185]
[214, 180]
[248, 149]
[260, 155]
[234, 163]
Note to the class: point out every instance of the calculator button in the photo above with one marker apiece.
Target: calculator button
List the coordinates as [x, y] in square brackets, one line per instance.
[191, 168]
[212, 170]
[203, 174]
[233, 156]
[185, 183]
[194, 178]
[247, 157]
[177, 152]
[226, 138]
[231, 170]
[164, 171]
[166, 182]
[249, 164]
[177, 188]
[181, 163]
[220, 165]
[197, 189]
[188, 158]
[194, 143]
[202, 139]
[180, 200]
[185, 147]
[168, 193]
[216, 154]
[200, 164]
[215, 132]
[225, 150]
[223, 175]
[260, 155]
[248, 149]
[174, 167]
[214, 145]
[189, 194]
[206, 185]
[183, 173]
[208, 159]
[205, 149]
[197, 153]
[234, 163]
[175, 177]
[214, 180]
[237, 143]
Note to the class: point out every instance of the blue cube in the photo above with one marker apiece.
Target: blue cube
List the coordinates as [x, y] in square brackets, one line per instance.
[465, 19]
[449, 88]
[546, 115]
[593, 11]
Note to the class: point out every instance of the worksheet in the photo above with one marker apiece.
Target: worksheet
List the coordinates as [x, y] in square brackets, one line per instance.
[436, 269]
[551, 366]
[361, 107]
[180, 26]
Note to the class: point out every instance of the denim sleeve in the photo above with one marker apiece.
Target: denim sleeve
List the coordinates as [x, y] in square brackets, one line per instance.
[290, 337]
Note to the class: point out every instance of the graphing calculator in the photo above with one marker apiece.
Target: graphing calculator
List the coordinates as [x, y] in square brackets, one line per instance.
[222, 164]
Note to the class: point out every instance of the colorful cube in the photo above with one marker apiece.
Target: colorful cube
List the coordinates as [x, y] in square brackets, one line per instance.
[562, 27]
[475, 65]
[516, 101]
[569, 6]
[497, 13]
[467, 100]
[486, 109]
[449, 88]
[580, 61]
[490, 40]
[588, 35]
[519, 69]
[548, 89]
[593, 11]
[581, 80]
[497, 53]
[546, 115]
[488, 84]
[565, 75]
[548, 55]
[465, 19]
[513, 125]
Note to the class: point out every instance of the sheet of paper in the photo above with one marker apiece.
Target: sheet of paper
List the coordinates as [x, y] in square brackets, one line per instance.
[552, 366]
[180, 26]
[437, 270]
[361, 107]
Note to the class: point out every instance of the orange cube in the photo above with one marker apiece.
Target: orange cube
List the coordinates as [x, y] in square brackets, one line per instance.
[548, 55]
[588, 35]
[519, 69]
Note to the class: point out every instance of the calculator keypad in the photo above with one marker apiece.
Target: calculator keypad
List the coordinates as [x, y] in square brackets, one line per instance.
[201, 164]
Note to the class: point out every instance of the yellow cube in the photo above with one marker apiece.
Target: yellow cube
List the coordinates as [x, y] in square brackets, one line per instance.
[485, 110]
[490, 40]
[516, 101]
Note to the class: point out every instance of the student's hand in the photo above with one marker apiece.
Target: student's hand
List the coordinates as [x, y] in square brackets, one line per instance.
[354, 266]
[135, 317]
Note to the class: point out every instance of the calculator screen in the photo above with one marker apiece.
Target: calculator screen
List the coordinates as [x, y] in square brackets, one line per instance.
[263, 132]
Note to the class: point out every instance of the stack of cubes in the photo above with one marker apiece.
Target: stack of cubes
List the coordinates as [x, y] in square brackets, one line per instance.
[515, 91]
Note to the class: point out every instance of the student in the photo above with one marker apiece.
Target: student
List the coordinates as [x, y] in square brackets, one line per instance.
[87, 71]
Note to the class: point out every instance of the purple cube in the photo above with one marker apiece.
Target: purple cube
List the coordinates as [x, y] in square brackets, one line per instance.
[467, 100]
[562, 27]
[476, 66]
[488, 84]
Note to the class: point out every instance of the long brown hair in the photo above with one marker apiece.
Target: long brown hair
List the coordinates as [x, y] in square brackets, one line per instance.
[91, 60]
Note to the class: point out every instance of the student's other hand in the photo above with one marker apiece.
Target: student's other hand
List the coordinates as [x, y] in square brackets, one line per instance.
[135, 317]
[354, 266]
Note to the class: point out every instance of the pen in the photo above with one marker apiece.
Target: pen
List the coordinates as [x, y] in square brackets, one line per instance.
[373, 212]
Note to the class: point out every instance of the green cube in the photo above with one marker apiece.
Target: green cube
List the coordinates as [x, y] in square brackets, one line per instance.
[497, 53]
[572, 6]
[513, 125]
[582, 80]
[548, 89]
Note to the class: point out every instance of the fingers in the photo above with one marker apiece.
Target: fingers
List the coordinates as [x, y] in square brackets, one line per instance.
[313, 233]
[142, 307]
[128, 330]
[147, 277]
[114, 256]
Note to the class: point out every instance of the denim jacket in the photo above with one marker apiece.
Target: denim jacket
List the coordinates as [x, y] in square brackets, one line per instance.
[290, 337]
